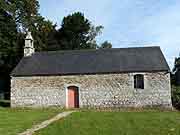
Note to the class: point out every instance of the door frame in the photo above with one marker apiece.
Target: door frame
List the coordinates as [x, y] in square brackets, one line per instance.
[79, 94]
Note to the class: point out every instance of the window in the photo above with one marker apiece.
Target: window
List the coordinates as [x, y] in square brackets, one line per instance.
[139, 81]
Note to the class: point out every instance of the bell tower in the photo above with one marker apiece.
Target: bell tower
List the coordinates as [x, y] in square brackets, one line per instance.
[29, 45]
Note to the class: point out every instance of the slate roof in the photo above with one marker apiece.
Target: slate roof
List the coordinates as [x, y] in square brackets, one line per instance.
[116, 60]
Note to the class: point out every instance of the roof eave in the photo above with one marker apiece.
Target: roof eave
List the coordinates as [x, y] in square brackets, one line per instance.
[96, 73]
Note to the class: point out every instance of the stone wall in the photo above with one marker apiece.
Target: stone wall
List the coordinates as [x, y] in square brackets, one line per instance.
[108, 90]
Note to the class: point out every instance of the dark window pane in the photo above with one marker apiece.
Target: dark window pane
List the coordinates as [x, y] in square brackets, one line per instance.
[139, 81]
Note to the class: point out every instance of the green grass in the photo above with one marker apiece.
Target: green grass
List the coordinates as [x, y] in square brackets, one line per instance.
[116, 123]
[13, 121]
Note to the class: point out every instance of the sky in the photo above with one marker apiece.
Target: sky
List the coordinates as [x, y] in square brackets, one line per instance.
[127, 23]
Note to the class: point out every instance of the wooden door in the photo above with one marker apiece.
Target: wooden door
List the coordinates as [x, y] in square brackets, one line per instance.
[73, 97]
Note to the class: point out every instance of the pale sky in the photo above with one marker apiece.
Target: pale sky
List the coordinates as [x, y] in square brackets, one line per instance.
[127, 23]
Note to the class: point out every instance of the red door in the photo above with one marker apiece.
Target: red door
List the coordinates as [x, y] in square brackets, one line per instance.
[73, 97]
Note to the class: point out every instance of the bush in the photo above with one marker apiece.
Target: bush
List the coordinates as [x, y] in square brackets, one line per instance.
[4, 103]
[176, 96]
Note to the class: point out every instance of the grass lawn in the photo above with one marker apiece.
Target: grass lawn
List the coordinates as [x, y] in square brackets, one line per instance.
[116, 123]
[13, 121]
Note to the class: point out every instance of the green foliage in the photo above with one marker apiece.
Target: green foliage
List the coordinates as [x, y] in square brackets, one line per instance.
[26, 13]
[77, 32]
[175, 81]
[105, 44]
[176, 96]
[176, 64]
[8, 41]
[42, 33]
[23, 12]
[176, 72]
[4, 103]
[116, 123]
[26, 17]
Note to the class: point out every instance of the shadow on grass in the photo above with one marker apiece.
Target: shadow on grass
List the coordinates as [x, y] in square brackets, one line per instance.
[4, 103]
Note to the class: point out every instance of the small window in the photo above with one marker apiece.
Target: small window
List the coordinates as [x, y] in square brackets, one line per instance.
[139, 81]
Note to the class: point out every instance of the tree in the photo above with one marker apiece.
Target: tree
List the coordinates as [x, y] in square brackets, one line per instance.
[26, 16]
[176, 64]
[24, 12]
[77, 32]
[28, 19]
[105, 44]
[176, 96]
[43, 33]
[175, 80]
[176, 70]
[8, 41]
